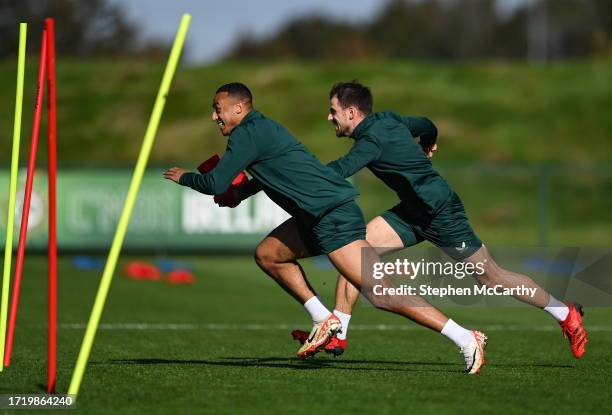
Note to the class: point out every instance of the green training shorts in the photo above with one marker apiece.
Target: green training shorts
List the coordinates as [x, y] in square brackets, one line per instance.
[335, 229]
[449, 229]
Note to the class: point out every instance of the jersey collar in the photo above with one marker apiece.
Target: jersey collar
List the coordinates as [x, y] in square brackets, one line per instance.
[363, 126]
[253, 114]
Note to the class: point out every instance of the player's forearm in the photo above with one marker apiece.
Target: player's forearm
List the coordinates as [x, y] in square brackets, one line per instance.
[421, 127]
[249, 189]
[336, 166]
[359, 157]
[209, 183]
[218, 180]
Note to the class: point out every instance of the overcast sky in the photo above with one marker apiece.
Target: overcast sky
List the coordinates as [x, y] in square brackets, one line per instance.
[216, 23]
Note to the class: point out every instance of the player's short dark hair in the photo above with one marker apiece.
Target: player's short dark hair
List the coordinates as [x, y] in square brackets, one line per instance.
[237, 90]
[353, 93]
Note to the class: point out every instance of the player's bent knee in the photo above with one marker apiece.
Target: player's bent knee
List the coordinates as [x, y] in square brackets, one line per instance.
[263, 255]
[269, 254]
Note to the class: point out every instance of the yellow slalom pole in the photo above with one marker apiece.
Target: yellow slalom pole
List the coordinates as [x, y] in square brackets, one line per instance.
[8, 247]
[143, 157]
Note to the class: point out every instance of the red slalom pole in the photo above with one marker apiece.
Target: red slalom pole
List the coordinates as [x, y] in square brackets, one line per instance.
[26, 203]
[52, 167]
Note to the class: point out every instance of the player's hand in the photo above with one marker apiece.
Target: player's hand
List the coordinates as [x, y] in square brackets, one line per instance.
[229, 199]
[428, 144]
[430, 150]
[174, 173]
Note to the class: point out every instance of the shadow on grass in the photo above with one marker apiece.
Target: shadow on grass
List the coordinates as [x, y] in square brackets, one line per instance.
[316, 364]
[294, 363]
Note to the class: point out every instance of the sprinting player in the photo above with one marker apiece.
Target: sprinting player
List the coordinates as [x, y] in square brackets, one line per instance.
[428, 210]
[325, 218]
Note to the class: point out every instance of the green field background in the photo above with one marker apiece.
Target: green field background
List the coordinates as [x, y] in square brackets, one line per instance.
[527, 147]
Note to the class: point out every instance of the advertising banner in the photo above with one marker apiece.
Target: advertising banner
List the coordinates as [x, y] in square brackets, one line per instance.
[166, 216]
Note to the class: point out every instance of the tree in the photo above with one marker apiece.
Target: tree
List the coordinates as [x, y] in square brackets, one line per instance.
[84, 27]
[447, 29]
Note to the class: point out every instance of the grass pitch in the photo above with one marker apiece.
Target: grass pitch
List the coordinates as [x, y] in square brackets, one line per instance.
[223, 346]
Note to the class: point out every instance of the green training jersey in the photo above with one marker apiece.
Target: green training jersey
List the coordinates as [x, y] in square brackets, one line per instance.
[281, 166]
[385, 144]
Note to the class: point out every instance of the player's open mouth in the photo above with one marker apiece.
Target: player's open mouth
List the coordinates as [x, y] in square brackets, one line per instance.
[220, 123]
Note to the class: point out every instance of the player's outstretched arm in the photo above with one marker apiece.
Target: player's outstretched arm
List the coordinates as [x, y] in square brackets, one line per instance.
[362, 153]
[241, 151]
[174, 174]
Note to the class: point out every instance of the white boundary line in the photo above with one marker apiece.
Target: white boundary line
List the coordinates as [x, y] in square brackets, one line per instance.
[262, 327]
